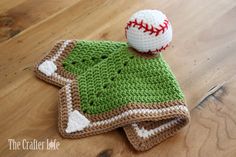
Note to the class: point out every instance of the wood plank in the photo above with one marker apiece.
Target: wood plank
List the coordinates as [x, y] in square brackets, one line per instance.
[6, 4]
[17, 16]
[201, 55]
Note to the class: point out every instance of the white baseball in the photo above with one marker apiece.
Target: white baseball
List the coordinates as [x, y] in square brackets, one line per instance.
[148, 31]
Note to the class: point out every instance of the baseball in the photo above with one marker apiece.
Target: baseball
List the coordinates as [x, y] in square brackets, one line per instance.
[148, 31]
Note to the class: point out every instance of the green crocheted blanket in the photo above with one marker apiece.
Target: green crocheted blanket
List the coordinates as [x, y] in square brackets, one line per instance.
[86, 54]
[121, 79]
[107, 85]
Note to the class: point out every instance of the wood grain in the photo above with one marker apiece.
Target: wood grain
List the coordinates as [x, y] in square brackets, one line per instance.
[202, 55]
[23, 15]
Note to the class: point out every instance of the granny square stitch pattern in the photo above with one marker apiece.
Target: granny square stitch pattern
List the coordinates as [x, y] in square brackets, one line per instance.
[107, 85]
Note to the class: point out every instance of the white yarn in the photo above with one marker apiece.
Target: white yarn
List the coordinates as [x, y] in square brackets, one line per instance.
[61, 49]
[141, 112]
[76, 122]
[144, 41]
[142, 132]
[47, 67]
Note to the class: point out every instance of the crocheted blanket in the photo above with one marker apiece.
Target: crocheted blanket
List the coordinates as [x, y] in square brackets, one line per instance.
[107, 85]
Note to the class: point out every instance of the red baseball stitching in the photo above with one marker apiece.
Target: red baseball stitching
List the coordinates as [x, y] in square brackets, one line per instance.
[151, 29]
[147, 27]
[157, 50]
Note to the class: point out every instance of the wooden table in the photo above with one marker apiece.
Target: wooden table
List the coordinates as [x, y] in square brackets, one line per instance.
[202, 55]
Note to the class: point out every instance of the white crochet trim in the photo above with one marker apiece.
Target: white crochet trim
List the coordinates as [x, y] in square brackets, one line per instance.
[144, 41]
[68, 98]
[61, 49]
[140, 112]
[76, 122]
[142, 132]
[59, 77]
[47, 67]
[124, 114]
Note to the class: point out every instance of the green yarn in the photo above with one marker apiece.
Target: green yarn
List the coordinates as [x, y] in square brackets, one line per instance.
[86, 54]
[119, 78]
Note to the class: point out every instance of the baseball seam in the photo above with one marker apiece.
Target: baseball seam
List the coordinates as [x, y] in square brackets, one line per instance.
[147, 27]
[151, 29]
[158, 50]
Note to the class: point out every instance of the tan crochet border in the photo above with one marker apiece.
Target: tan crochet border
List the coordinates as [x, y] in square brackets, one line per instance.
[63, 114]
[60, 70]
[138, 142]
[143, 144]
